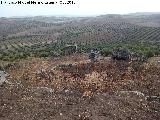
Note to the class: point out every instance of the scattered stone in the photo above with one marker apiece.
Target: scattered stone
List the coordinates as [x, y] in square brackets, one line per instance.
[3, 76]
[42, 89]
[153, 98]
[137, 93]
[94, 54]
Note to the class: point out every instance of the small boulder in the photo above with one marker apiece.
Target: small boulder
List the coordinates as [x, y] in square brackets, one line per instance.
[121, 54]
[3, 76]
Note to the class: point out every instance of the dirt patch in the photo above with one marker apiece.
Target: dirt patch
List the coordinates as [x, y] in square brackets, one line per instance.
[103, 90]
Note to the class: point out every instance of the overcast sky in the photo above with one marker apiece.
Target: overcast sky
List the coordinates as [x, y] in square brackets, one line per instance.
[81, 8]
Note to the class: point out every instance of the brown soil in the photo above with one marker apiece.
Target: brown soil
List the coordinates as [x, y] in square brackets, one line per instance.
[72, 88]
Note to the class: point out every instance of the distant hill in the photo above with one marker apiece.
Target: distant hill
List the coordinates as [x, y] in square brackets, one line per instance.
[15, 32]
[145, 13]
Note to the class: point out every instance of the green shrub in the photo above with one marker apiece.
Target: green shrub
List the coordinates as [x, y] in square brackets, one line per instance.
[43, 54]
[149, 53]
[106, 52]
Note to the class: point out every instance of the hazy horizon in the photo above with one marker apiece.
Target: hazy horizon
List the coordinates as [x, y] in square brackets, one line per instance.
[81, 8]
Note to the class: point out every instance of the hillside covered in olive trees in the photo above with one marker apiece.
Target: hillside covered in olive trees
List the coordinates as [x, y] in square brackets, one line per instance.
[25, 37]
